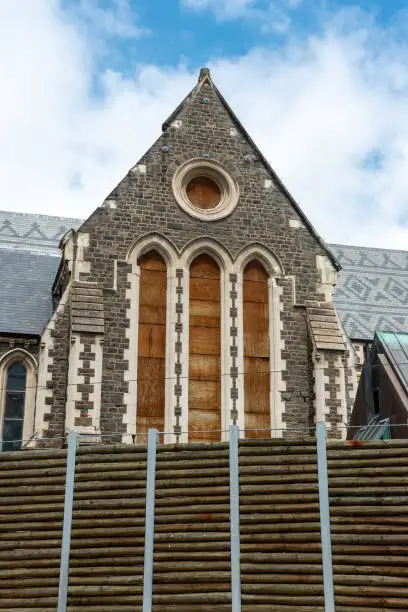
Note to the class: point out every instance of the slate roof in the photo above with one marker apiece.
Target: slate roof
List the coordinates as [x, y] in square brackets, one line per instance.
[29, 260]
[371, 294]
[372, 290]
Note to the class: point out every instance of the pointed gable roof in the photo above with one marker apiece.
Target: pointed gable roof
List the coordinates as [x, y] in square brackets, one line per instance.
[205, 77]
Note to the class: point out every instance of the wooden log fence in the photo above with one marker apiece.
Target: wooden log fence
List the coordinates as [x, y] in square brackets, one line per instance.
[239, 525]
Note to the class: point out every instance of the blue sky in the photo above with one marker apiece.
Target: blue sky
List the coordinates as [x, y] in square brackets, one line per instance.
[322, 87]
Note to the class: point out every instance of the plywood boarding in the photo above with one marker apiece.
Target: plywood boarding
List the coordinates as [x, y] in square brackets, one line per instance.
[204, 350]
[256, 351]
[151, 343]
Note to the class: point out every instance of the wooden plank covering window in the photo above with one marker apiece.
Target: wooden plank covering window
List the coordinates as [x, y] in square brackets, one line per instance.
[151, 344]
[256, 351]
[204, 387]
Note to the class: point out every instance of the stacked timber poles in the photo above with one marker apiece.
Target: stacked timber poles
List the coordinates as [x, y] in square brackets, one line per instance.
[192, 539]
[368, 486]
[229, 525]
[281, 559]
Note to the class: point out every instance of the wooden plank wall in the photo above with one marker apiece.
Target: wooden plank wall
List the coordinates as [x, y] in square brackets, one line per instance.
[204, 386]
[281, 568]
[32, 490]
[368, 487]
[151, 343]
[107, 550]
[192, 538]
[279, 515]
[256, 351]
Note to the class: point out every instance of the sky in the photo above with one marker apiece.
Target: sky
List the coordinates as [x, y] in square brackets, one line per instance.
[321, 86]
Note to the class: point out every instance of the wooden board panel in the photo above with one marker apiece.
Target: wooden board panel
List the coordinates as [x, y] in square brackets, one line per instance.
[204, 313]
[257, 382]
[256, 351]
[204, 367]
[150, 394]
[204, 350]
[205, 289]
[152, 314]
[153, 286]
[151, 343]
[152, 340]
[204, 340]
[256, 329]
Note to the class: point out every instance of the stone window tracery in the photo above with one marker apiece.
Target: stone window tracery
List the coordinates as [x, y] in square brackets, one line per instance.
[205, 189]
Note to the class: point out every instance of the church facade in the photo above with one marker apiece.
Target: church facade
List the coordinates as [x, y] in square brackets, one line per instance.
[196, 296]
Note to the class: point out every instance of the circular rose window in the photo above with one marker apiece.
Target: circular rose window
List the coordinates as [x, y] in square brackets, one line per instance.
[205, 190]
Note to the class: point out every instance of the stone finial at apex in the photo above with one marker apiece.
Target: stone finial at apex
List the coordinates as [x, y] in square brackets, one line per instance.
[204, 72]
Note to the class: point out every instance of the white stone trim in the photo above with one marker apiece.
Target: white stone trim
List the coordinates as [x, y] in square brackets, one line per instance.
[171, 338]
[74, 254]
[341, 394]
[277, 364]
[30, 364]
[328, 277]
[45, 361]
[240, 352]
[322, 409]
[74, 379]
[269, 260]
[212, 169]
[184, 357]
[96, 381]
[131, 353]
[225, 357]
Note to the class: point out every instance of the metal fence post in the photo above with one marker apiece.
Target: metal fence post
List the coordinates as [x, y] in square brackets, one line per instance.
[66, 530]
[325, 518]
[234, 519]
[149, 520]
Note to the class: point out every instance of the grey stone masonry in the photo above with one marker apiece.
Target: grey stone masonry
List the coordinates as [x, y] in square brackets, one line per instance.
[142, 205]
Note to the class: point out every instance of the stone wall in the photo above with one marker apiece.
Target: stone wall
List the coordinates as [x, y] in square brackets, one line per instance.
[143, 203]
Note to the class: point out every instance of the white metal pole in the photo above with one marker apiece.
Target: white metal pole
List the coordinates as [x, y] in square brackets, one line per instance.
[234, 519]
[66, 530]
[149, 520]
[325, 518]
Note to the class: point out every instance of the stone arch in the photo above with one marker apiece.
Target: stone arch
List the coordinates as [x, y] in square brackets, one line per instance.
[265, 256]
[157, 242]
[210, 247]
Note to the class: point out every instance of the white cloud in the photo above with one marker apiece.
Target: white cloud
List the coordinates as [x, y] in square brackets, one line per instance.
[318, 108]
[119, 20]
[224, 9]
[270, 15]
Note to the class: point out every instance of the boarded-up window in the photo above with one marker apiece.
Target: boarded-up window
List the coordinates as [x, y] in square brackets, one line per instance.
[151, 343]
[204, 387]
[256, 351]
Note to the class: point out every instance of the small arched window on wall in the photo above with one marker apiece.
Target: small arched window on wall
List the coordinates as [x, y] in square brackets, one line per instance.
[14, 407]
[151, 343]
[256, 351]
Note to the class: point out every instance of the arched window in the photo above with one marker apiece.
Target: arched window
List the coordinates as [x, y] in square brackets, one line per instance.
[151, 343]
[14, 407]
[256, 350]
[204, 389]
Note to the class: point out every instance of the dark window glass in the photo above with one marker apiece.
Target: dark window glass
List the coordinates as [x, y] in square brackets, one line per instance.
[14, 407]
